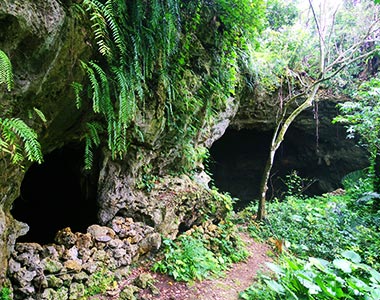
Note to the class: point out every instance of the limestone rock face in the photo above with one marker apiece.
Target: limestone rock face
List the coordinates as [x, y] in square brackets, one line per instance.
[170, 203]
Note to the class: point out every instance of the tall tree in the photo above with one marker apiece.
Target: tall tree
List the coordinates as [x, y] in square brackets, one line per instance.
[338, 50]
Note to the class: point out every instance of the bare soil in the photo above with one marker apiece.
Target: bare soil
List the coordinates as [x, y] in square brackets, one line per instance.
[239, 277]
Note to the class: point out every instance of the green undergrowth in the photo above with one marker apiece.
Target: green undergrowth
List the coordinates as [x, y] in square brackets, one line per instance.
[345, 277]
[329, 245]
[5, 293]
[202, 252]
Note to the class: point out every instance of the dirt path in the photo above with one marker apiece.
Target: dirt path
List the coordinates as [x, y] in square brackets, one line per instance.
[237, 279]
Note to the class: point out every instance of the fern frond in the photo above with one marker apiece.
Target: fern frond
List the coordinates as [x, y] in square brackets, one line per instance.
[114, 27]
[6, 74]
[11, 130]
[40, 114]
[78, 88]
[92, 139]
[94, 87]
[127, 99]
[99, 25]
[104, 91]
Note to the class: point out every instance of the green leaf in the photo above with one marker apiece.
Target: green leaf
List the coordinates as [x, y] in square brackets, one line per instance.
[319, 263]
[375, 276]
[273, 285]
[308, 283]
[352, 255]
[343, 265]
[275, 268]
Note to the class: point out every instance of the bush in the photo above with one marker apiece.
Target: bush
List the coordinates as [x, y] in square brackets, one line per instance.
[202, 252]
[321, 227]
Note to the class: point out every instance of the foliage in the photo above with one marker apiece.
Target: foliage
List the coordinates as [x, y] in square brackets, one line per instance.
[99, 282]
[281, 13]
[6, 74]
[362, 117]
[5, 293]
[295, 184]
[343, 278]
[322, 227]
[201, 252]
[153, 51]
[92, 139]
[342, 230]
[189, 260]
[14, 133]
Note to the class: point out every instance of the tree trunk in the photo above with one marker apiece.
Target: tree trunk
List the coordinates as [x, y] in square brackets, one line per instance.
[278, 136]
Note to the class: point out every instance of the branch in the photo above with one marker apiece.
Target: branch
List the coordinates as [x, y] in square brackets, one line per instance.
[349, 63]
[342, 56]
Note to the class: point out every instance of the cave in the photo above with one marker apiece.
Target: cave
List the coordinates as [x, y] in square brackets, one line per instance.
[237, 162]
[56, 194]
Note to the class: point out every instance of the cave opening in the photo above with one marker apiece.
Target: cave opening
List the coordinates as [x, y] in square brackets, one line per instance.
[238, 158]
[56, 194]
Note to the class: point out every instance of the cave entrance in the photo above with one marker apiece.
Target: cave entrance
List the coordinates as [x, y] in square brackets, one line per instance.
[57, 194]
[237, 162]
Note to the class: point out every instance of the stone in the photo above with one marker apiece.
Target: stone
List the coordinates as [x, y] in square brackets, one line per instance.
[84, 240]
[101, 233]
[116, 243]
[128, 292]
[80, 277]
[150, 243]
[65, 237]
[54, 282]
[77, 291]
[144, 280]
[73, 265]
[118, 253]
[71, 254]
[51, 265]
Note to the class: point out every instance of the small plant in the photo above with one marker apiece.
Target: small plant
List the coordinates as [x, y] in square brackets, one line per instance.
[295, 184]
[100, 282]
[202, 252]
[5, 293]
[188, 259]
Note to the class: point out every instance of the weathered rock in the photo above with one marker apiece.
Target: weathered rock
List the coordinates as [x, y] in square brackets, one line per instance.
[51, 265]
[77, 290]
[101, 233]
[65, 237]
[54, 281]
[128, 292]
[73, 265]
[172, 201]
[144, 280]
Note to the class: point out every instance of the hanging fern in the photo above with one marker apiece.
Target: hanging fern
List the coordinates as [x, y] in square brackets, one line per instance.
[92, 139]
[147, 49]
[13, 133]
[78, 88]
[6, 74]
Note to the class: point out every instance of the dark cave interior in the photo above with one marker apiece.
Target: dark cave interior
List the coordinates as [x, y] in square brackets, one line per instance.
[237, 161]
[57, 194]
